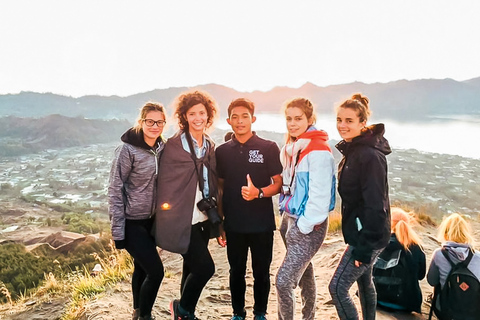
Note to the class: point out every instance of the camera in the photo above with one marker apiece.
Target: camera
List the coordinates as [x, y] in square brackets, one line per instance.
[209, 207]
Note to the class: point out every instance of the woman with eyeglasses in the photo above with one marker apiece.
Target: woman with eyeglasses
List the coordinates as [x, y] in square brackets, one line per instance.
[186, 215]
[132, 195]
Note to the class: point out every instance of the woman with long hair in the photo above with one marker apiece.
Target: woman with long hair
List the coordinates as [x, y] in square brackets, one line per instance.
[307, 197]
[185, 219]
[363, 187]
[412, 257]
[132, 198]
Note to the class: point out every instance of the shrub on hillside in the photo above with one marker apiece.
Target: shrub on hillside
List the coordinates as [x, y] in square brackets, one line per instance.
[20, 270]
[84, 223]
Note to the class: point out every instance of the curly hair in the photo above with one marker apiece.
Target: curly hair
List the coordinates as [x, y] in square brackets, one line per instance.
[189, 99]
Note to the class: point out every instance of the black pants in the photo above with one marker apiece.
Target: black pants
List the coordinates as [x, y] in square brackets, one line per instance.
[198, 266]
[261, 245]
[148, 268]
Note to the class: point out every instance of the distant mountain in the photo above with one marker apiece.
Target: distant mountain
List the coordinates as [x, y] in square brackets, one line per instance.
[26, 135]
[400, 100]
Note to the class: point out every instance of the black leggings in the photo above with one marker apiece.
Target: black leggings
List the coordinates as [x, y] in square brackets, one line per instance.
[198, 266]
[148, 268]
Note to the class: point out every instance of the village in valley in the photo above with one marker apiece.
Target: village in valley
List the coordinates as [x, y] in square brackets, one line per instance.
[76, 179]
[55, 204]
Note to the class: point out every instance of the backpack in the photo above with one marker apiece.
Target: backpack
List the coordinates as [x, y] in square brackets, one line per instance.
[390, 276]
[460, 296]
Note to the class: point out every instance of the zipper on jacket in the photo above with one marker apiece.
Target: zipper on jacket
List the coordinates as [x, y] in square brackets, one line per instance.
[154, 198]
[156, 161]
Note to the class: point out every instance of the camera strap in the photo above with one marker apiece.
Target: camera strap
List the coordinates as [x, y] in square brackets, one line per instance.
[294, 167]
[193, 155]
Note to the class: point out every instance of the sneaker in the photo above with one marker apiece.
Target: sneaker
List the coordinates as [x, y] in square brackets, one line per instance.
[260, 317]
[174, 310]
[237, 317]
[176, 315]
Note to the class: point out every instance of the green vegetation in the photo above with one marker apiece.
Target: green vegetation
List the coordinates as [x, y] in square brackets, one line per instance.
[22, 271]
[79, 285]
[116, 267]
[84, 223]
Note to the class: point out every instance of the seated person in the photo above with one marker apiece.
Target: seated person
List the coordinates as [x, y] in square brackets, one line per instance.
[404, 293]
[457, 241]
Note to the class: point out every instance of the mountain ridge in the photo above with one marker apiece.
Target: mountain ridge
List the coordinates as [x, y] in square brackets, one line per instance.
[402, 100]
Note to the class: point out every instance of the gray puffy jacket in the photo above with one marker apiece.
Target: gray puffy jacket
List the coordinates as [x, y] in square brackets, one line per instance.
[132, 184]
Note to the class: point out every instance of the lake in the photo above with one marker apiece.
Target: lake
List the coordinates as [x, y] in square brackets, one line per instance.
[449, 136]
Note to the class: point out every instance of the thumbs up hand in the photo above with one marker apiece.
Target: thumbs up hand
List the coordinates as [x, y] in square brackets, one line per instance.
[249, 192]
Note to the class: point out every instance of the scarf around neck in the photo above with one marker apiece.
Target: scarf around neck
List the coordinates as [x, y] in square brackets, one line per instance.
[288, 157]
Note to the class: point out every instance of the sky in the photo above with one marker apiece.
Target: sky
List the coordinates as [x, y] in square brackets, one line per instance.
[116, 47]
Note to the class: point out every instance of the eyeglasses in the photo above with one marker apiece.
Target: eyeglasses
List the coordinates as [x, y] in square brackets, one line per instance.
[150, 122]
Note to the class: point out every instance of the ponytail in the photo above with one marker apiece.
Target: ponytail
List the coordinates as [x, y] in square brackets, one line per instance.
[406, 235]
[404, 232]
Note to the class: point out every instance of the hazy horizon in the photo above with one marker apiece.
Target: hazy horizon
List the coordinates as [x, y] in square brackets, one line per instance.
[122, 48]
[247, 91]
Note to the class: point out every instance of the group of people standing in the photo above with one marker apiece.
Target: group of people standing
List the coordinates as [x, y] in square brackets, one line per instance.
[178, 194]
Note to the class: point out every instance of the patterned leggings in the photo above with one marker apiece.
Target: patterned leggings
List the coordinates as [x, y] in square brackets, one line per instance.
[344, 277]
[297, 269]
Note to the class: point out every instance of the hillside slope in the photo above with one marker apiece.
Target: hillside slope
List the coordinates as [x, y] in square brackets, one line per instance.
[214, 303]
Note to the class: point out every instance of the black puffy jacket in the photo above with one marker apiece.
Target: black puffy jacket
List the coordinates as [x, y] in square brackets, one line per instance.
[363, 187]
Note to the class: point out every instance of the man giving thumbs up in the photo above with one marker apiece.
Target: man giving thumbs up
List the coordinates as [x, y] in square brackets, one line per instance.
[251, 192]
[248, 210]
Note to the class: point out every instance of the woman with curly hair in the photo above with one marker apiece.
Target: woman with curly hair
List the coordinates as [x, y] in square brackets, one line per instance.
[186, 194]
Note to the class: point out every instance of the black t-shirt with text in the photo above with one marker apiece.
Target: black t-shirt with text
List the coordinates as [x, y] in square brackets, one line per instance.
[260, 159]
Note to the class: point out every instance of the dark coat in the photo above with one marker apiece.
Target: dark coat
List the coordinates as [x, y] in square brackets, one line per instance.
[177, 187]
[363, 187]
[415, 261]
